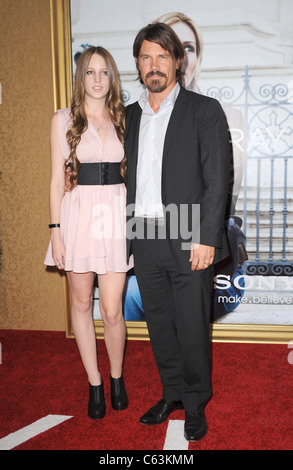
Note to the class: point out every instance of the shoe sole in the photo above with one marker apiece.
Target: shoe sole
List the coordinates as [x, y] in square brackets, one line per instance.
[96, 419]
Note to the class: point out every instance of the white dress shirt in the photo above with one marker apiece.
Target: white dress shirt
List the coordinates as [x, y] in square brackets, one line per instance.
[153, 128]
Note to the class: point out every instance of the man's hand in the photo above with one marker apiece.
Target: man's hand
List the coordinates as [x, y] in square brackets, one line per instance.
[201, 256]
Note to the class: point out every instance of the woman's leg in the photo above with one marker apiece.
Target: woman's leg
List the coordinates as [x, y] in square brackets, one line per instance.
[81, 288]
[111, 287]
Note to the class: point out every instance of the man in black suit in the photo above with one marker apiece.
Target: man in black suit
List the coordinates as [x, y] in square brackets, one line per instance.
[178, 156]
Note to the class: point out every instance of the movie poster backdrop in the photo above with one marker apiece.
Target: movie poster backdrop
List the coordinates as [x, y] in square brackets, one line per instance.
[240, 53]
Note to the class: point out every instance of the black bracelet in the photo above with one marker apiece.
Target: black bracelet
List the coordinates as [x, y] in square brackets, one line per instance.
[54, 225]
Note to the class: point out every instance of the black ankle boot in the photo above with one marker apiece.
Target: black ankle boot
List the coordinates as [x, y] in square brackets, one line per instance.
[119, 398]
[97, 405]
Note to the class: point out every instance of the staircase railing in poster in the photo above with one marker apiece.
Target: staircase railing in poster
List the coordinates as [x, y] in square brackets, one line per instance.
[265, 199]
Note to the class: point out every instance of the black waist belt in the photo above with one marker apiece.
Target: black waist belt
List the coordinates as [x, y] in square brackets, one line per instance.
[99, 173]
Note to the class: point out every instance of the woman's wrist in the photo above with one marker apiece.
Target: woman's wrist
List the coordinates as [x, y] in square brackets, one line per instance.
[55, 234]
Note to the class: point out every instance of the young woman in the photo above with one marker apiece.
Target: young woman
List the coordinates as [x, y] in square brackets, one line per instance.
[87, 223]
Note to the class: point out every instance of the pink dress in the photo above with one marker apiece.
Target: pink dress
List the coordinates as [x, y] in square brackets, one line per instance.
[92, 217]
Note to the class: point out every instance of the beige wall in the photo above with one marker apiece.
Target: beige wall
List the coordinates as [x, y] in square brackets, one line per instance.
[31, 297]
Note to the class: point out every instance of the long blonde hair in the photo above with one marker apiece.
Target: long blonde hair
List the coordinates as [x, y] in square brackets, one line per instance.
[114, 104]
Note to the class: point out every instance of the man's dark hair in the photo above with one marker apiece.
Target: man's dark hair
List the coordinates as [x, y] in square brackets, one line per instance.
[165, 36]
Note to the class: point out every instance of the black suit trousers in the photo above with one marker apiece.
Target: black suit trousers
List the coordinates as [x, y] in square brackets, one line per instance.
[177, 312]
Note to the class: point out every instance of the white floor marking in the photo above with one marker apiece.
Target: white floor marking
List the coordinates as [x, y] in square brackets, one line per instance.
[175, 439]
[22, 435]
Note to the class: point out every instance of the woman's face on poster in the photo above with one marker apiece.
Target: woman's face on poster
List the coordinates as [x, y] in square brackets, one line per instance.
[188, 40]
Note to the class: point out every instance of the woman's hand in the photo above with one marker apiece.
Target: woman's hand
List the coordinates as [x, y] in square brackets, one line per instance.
[58, 249]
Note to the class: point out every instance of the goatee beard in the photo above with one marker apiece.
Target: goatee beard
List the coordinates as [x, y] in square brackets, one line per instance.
[156, 86]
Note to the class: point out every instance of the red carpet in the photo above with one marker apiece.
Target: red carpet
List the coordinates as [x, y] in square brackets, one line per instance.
[41, 375]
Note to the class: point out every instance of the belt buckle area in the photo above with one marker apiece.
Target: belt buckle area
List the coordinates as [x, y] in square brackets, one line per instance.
[157, 222]
[104, 173]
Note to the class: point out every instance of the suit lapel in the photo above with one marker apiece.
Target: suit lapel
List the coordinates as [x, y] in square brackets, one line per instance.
[132, 146]
[176, 119]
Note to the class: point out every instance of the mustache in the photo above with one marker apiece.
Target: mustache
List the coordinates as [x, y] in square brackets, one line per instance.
[158, 73]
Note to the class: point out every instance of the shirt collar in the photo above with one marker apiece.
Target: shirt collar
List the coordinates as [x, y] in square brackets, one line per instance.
[171, 98]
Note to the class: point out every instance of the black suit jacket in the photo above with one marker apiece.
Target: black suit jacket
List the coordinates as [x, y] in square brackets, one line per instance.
[195, 169]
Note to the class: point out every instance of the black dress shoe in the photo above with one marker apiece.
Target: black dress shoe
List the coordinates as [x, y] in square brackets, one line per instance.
[119, 399]
[195, 427]
[160, 412]
[96, 405]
